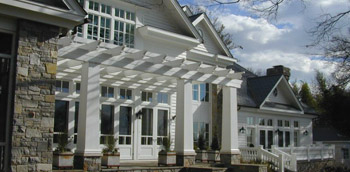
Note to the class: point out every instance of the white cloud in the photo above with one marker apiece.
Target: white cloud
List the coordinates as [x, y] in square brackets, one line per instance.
[256, 30]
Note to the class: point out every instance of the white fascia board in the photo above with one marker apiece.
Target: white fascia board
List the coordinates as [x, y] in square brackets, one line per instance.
[268, 111]
[184, 17]
[155, 33]
[291, 92]
[43, 14]
[206, 20]
[213, 59]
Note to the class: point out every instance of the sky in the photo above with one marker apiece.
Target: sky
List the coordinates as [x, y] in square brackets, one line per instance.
[280, 41]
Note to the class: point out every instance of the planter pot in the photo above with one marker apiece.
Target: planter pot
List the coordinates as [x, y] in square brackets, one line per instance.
[166, 158]
[111, 160]
[214, 156]
[202, 155]
[63, 159]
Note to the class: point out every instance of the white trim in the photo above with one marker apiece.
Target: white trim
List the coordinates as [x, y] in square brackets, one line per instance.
[155, 33]
[273, 112]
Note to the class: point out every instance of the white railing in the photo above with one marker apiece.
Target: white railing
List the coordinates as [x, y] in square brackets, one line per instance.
[311, 152]
[289, 160]
[260, 154]
[2, 156]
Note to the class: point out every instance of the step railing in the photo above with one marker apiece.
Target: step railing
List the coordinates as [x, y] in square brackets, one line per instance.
[260, 154]
[289, 160]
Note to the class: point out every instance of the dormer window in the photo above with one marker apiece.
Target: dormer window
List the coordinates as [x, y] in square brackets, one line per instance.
[200, 31]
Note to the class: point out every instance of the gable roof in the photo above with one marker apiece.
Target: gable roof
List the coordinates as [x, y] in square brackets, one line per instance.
[178, 11]
[197, 18]
[260, 87]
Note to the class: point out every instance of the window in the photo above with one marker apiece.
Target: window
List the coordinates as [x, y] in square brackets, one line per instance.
[269, 122]
[162, 98]
[105, 9]
[250, 120]
[146, 96]
[195, 91]
[200, 91]
[162, 126]
[93, 6]
[287, 138]
[60, 119]
[5, 43]
[62, 86]
[105, 29]
[201, 128]
[77, 88]
[261, 121]
[296, 124]
[280, 123]
[296, 135]
[204, 92]
[92, 32]
[345, 153]
[263, 138]
[107, 122]
[147, 127]
[286, 123]
[125, 125]
[280, 138]
[107, 91]
[125, 94]
[250, 137]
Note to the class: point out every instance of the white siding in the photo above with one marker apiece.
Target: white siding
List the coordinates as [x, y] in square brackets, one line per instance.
[160, 17]
[209, 43]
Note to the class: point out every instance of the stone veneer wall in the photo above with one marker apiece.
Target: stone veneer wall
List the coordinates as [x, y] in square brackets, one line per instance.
[34, 106]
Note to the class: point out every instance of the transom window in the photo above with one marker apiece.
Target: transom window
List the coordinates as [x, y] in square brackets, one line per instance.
[162, 98]
[107, 91]
[269, 122]
[125, 94]
[146, 96]
[261, 121]
[296, 124]
[250, 120]
[200, 91]
[286, 123]
[280, 123]
[62, 86]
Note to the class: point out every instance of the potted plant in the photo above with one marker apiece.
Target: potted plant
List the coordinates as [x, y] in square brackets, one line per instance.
[62, 156]
[111, 156]
[201, 152]
[214, 153]
[166, 156]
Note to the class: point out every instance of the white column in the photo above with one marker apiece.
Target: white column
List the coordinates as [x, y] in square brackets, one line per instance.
[89, 110]
[229, 141]
[184, 119]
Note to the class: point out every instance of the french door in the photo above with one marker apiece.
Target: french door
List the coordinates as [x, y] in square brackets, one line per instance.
[266, 138]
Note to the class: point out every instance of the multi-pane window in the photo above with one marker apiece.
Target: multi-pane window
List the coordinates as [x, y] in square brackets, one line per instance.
[105, 9]
[119, 13]
[125, 125]
[107, 122]
[296, 124]
[195, 91]
[201, 128]
[60, 120]
[125, 94]
[280, 123]
[129, 35]
[80, 28]
[296, 141]
[250, 120]
[286, 123]
[92, 31]
[146, 96]
[105, 29]
[204, 92]
[147, 126]
[162, 98]
[94, 6]
[269, 122]
[200, 91]
[162, 126]
[77, 88]
[107, 91]
[62, 86]
[261, 121]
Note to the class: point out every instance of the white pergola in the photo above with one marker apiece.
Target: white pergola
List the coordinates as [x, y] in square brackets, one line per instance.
[95, 63]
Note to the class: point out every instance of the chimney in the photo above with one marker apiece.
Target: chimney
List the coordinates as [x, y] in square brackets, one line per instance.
[279, 70]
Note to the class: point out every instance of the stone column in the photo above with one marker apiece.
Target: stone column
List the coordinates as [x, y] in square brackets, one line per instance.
[229, 153]
[88, 153]
[185, 155]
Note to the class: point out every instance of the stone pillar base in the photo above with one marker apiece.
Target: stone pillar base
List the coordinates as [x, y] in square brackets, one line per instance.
[88, 162]
[230, 159]
[185, 160]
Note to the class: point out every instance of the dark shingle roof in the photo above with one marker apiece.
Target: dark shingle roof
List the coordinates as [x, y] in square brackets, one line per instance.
[328, 134]
[260, 87]
[194, 17]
